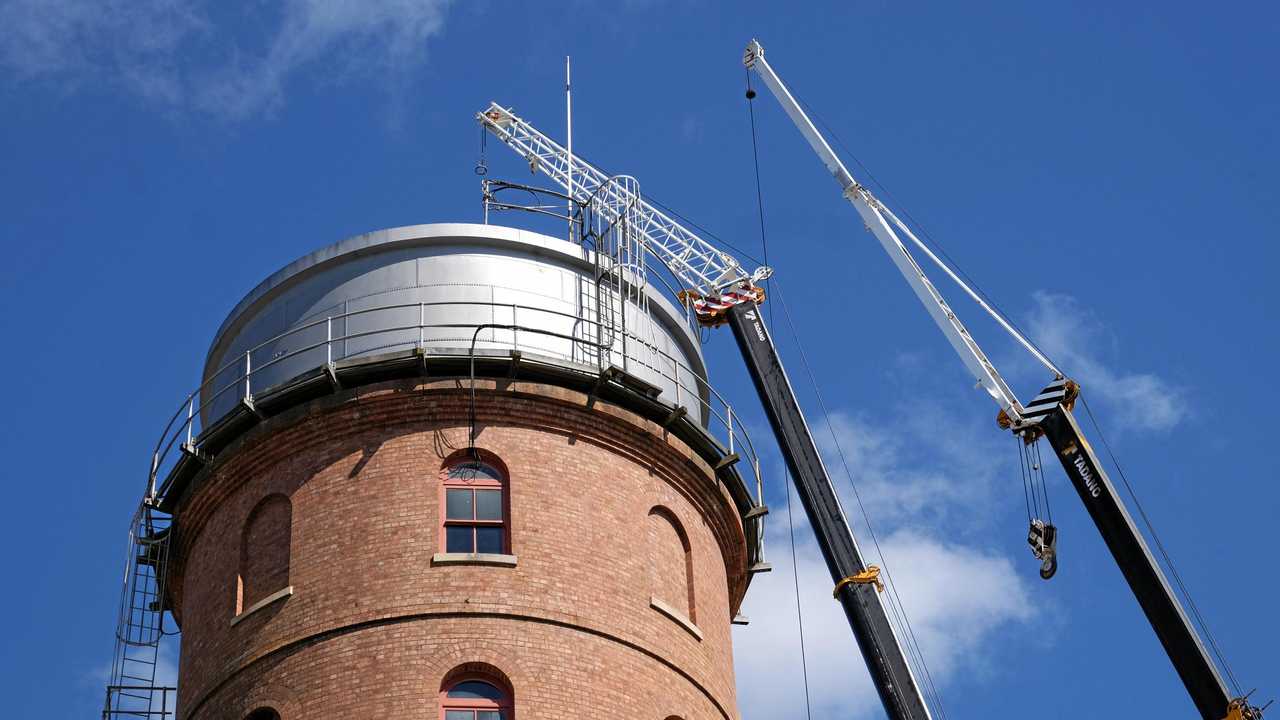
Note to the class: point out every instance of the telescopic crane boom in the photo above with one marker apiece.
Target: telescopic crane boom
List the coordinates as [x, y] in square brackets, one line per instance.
[722, 292]
[1049, 415]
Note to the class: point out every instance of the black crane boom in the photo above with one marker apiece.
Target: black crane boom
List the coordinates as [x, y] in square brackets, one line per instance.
[880, 648]
[1139, 567]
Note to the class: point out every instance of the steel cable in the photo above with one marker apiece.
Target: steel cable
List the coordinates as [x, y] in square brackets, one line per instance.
[786, 474]
[893, 590]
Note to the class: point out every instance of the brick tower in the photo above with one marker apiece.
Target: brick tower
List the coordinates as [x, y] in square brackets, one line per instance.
[458, 472]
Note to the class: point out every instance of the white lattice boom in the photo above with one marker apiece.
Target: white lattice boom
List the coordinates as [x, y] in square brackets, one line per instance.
[698, 265]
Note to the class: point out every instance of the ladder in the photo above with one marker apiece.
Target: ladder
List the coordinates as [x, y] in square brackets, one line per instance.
[132, 691]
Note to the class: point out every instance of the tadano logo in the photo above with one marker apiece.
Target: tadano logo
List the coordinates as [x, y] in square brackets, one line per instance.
[1087, 476]
[755, 322]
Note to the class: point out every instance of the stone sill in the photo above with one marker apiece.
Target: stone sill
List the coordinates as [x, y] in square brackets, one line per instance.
[277, 595]
[676, 616]
[490, 559]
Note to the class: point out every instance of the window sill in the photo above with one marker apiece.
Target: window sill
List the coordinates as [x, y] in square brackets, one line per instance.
[277, 595]
[491, 559]
[676, 616]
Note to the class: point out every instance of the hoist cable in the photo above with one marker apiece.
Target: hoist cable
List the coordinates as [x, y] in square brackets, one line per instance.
[915, 655]
[1031, 476]
[893, 589]
[1044, 487]
[1026, 484]
[786, 474]
[795, 580]
[1173, 570]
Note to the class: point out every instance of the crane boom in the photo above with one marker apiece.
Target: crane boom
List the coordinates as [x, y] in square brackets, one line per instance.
[723, 292]
[1048, 415]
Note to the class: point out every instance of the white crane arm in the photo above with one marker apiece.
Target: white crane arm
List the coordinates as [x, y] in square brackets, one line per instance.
[699, 265]
[885, 226]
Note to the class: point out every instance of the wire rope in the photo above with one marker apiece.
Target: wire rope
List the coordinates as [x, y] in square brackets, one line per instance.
[1026, 481]
[795, 580]
[1044, 487]
[915, 655]
[893, 589]
[786, 474]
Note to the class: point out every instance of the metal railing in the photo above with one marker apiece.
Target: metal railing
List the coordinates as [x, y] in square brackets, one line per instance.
[571, 344]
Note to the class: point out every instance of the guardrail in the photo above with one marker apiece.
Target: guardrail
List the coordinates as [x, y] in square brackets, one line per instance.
[575, 341]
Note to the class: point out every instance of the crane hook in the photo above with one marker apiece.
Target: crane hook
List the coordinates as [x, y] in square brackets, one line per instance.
[1043, 539]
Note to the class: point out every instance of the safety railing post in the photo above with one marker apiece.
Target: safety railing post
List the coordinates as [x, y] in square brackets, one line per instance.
[729, 421]
[759, 484]
[248, 370]
[422, 324]
[151, 476]
[515, 328]
[328, 340]
[191, 407]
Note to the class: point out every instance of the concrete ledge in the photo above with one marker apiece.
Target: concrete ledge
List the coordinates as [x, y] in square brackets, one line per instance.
[492, 559]
[277, 595]
[677, 616]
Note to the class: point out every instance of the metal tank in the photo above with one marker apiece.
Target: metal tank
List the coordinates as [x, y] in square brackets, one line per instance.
[458, 290]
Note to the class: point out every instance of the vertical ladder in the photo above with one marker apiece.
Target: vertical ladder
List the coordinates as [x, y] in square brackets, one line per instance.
[131, 690]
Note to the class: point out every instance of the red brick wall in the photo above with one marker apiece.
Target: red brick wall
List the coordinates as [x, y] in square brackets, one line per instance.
[374, 627]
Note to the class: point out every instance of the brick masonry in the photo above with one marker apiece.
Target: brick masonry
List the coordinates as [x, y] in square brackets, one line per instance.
[373, 628]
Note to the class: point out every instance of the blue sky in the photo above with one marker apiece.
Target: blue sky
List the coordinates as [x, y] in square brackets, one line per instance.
[1107, 174]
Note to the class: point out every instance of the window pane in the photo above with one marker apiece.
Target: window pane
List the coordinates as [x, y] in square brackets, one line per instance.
[458, 504]
[489, 539]
[458, 714]
[475, 690]
[457, 538]
[488, 715]
[473, 471]
[488, 504]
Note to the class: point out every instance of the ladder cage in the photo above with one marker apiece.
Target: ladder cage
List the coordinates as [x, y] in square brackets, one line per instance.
[133, 690]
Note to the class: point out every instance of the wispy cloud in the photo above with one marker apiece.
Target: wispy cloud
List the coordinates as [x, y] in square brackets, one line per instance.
[908, 472]
[960, 594]
[1068, 333]
[957, 597]
[183, 55]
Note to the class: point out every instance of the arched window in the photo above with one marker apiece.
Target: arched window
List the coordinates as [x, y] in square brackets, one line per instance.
[264, 551]
[475, 509]
[263, 713]
[672, 562]
[475, 698]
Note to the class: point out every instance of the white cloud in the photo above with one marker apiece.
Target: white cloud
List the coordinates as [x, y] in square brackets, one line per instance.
[960, 596]
[1067, 332]
[957, 598]
[910, 472]
[173, 53]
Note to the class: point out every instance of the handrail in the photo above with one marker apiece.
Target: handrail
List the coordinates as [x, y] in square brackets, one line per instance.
[716, 412]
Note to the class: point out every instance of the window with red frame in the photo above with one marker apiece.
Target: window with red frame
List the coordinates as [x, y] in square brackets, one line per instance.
[475, 509]
[472, 699]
